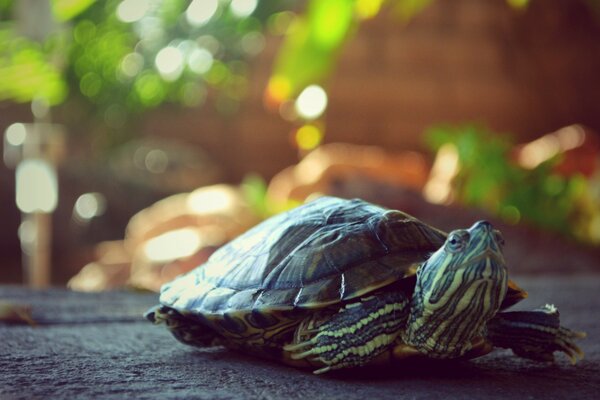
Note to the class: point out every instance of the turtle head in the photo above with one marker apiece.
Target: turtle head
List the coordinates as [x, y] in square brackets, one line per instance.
[459, 288]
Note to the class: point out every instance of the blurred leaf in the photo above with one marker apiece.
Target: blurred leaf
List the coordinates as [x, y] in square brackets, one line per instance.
[65, 10]
[329, 22]
[27, 73]
[254, 189]
[312, 45]
[366, 9]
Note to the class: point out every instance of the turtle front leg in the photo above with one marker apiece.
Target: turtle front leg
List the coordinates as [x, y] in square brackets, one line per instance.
[534, 334]
[356, 334]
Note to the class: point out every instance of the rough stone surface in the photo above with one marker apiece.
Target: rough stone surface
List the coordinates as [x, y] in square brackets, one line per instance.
[98, 346]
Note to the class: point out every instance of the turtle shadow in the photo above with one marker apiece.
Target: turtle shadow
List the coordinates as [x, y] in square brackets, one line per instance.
[425, 368]
[413, 370]
[484, 369]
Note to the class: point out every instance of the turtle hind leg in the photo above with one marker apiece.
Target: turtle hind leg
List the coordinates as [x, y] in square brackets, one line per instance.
[356, 335]
[535, 335]
[186, 329]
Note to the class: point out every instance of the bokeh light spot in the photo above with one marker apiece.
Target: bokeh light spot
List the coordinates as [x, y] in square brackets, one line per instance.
[16, 134]
[200, 60]
[169, 62]
[243, 8]
[278, 90]
[90, 84]
[312, 102]
[89, 205]
[253, 43]
[200, 12]
[156, 161]
[132, 10]
[132, 64]
[308, 137]
[36, 186]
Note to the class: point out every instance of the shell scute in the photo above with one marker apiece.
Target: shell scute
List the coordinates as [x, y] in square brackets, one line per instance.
[318, 254]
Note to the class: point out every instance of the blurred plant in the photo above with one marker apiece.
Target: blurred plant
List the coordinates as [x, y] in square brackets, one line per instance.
[137, 54]
[123, 57]
[312, 44]
[488, 178]
[254, 189]
[314, 40]
[29, 69]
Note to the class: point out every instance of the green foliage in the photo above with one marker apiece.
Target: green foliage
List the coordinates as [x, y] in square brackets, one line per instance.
[120, 65]
[65, 10]
[111, 58]
[27, 70]
[488, 178]
[254, 189]
[312, 44]
[315, 39]
[122, 57]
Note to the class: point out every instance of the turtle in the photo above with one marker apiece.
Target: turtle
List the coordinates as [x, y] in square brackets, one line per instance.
[338, 283]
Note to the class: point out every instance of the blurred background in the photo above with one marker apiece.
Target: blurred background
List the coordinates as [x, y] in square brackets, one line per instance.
[140, 135]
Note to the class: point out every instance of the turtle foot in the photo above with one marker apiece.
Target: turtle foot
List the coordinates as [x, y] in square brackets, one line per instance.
[535, 335]
[356, 334]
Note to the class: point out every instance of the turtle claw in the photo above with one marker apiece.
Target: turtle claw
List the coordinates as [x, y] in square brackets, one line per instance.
[299, 356]
[322, 370]
[565, 343]
[292, 347]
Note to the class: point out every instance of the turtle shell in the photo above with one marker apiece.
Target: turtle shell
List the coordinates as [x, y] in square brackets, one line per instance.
[324, 252]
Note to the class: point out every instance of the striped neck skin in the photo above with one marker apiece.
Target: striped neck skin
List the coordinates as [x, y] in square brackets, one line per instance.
[459, 288]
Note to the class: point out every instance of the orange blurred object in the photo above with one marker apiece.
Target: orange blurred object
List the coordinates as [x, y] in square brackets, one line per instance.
[169, 238]
[110, 269]
[577, 146]
[348, 170]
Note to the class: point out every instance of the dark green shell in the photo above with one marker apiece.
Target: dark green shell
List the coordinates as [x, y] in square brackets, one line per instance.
[323, 252]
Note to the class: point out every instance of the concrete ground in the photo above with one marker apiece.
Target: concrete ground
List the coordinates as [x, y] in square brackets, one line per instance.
[98, 346]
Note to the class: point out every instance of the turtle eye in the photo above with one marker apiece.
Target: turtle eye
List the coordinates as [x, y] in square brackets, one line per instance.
[457, 241]
[499, 238]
